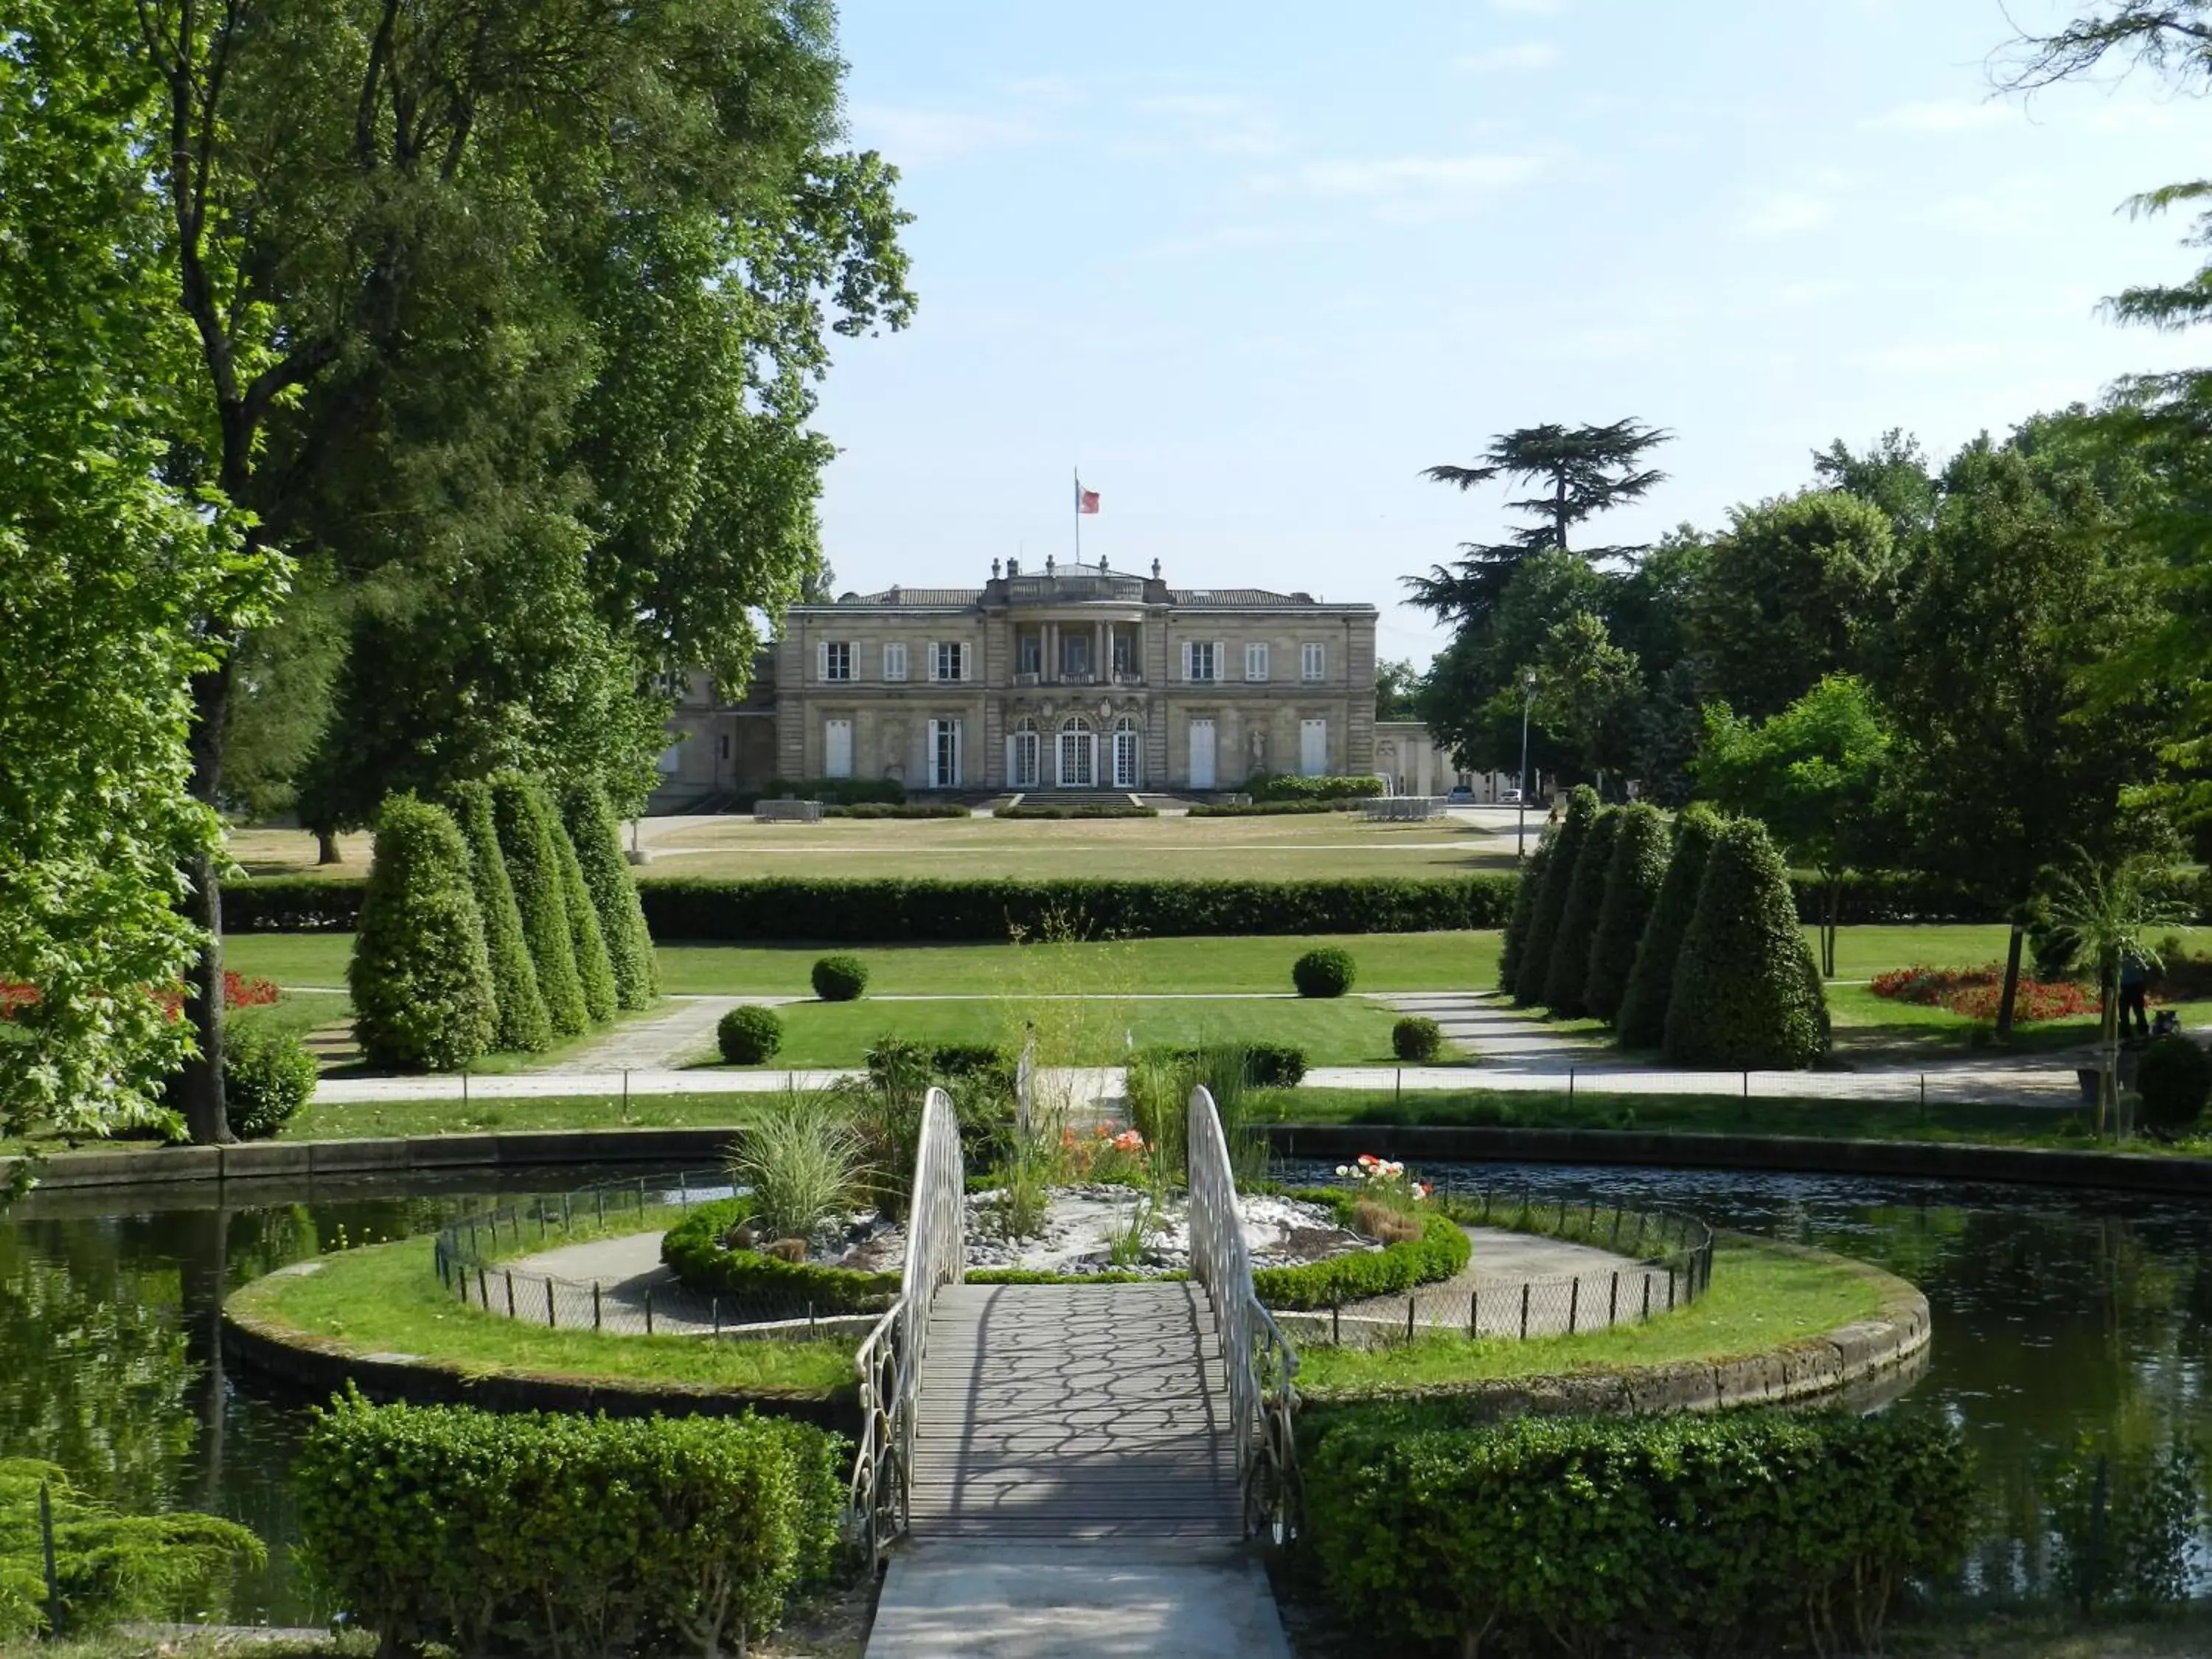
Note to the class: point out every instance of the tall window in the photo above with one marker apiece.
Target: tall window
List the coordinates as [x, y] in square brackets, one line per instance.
[1021, 761]
[1256, 660]
[1124, 753]
[894, 660]
[948, 660]
[1075, 656]
[1313, 662]
[1125, 655]
[1078, 767]
[1029, 653]
[837, 659]
[945, 754]
[1198, 659]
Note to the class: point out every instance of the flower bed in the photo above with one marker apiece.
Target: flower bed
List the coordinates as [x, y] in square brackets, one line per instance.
[238, 992]
[1975, 993]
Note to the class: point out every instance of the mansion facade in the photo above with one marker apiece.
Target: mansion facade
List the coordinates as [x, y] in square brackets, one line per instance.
[1071, 677]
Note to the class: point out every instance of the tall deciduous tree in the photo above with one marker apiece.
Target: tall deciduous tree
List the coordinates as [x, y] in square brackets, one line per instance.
[1587, 691]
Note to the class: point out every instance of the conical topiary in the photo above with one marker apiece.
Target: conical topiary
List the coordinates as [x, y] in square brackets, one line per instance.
[1570, 945]
[523, 1025]
[1642, 1022]
[1632, 884]
[1746, 993]
[420, 975]
[525, 822]
[594, 970]
[597, 839]
[1534, 972]
[1524, 908]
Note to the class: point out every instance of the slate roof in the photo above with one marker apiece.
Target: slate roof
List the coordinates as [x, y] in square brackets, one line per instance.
[916, 596]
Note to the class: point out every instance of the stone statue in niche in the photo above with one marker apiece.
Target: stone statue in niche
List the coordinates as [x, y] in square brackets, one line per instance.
[1259, 746]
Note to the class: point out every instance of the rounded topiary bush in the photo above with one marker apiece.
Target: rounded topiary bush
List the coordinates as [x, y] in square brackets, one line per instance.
[1746, 991]
[1327, 972]
[1417, 1037]
[267, 1076]
[749, 1035]
[840, 979]
[420, 977]
[2174, 1078]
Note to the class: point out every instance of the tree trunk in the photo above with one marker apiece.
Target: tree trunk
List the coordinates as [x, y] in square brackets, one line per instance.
[1832, 904]
[326, 847]
[200, 1085]
[2011, 980]
[2108, 1044]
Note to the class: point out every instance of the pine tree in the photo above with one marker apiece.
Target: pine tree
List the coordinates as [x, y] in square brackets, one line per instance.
[523, 1025]
[593, 968]
[1641, 1023]
[419, 977]
[1524, 910]
[525, 823]
[597, 839]
[1535, 966]
[1746, 991]
[1571, 946]
[1632, 886]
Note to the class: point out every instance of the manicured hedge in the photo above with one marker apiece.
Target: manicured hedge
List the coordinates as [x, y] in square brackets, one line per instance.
[1569, 973]
[1266, 1064]
[523, 1024]
[1746, 991]
[560, 1533]
[595, 969]
[293, 904]
[708, 910]
[1642, 1021]
[776, 1289]
[597, 838]
[1531, 970]
[1284, 786]
[902, 810]
[1527, 895]
[1441, 1251]
[1640, 851]
[524, 817]
[1089, 809]
[1635, 1536]
[833, 792]
[1270, 808]
[419, 977]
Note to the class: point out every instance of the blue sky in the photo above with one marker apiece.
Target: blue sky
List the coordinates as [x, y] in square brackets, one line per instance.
[1254, 266]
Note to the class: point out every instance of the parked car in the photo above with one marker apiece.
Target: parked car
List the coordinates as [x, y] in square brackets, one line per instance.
[1508, 797]
[1459, 795]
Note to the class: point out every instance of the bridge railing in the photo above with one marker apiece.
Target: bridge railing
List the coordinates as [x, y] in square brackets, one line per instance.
[1262, 1366]
[889, 1359]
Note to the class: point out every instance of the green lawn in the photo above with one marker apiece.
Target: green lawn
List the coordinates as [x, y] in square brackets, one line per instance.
[385, 1298]
[1759, 1299]
[1346, 1032]
[389, 1120]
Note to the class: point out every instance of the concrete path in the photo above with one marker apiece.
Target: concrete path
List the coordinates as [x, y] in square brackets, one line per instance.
[1123, 1600]
[1573, 1288]
[683, 1034]
[1488, 1027]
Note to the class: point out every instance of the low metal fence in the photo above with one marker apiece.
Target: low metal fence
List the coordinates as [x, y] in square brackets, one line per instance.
[1662, 1261]
[485, 1261]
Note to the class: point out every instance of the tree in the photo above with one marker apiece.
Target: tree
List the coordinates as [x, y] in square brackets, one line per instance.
[1526, 894]
[419, 977]
[1746, 993]
[281, 702]
[1892, 474]
[1569, 971]
[467, 272]
[1797, 588]
[1396, 681]
[1472, 695]
[1587, 691]
[108, 571]
[598, 840]
[524, 819]
[2110, 912]
[1535, 965]
[593, 969]
[1812, 774]
[1643, 1020]
[523, 1026]
[1633, 880]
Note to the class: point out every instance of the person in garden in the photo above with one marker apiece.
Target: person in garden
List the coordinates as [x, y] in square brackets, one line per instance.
[2134, 984]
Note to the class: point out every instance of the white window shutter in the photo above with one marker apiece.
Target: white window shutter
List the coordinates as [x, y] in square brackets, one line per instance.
[929, 651]
[1185, 658]
[1221, 659]
[822, 660]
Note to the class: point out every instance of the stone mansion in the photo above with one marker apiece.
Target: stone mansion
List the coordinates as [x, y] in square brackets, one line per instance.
[1069, 677]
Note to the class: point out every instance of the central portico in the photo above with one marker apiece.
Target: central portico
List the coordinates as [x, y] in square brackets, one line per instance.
[1074, 677]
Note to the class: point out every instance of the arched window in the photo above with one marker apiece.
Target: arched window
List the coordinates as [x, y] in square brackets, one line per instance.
[1021, 769]
[1126, 772]
[1079, 754]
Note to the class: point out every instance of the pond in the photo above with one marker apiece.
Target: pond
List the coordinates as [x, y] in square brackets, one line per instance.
[2059, 1317]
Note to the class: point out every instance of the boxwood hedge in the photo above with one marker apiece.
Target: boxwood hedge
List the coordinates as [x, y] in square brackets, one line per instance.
[1569, 972]
[692, 1250]
[1746, 993]
[1532, 970]
[1441, 1251]
[1632, 887]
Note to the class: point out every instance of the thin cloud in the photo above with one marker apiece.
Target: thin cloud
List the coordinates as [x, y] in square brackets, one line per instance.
[1524, 59]
[1938, 118]
[1222, 125]
[1415, 175]
[919, 137]
[1786, 212]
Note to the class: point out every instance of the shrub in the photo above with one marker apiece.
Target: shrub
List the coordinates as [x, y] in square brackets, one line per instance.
[1089, 809]
[749, 1035]
[1643, 1020]
[1424, 1533]
[293, 904]
[1978, 992]
[1266, 809]
[872, 809]
[2173, 1076]
[1327, 972]
[836, 792]
[420, 975]
[525, 824]
[971, 1060]
[1534, 970]
[1746, 993]
[523, 1026]
[1632, 887]
[1416, 1038]
[802, 1158]
[597, 837]
[556, 1533]
[1440, 1251]
[1283, 786]
[757, 1284]
[1525, 894]
[267, 1075]
[840, 979]
[1569, 971]
[595, 969]
[1266, 1064]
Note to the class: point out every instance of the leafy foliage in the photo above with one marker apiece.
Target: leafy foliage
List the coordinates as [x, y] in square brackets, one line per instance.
[839, 979]
[1325, 972]
[749, 1035]
[1641, 1023]
[561, 1532]
[524, 821]
[1552, 1533]
[1569, 973]
[2173, 1076]
[268, 1075]
[697, 1251]
[1440, 1250]
[1525, 897]
[523, 1025]
[803, 1159]
[1534, 971]
[1746, 993]
[594, 968]
[1633, 878]
[2126, 1524]
[598, 840]
[1284, 786]
[421, 978]
[1416, 1039]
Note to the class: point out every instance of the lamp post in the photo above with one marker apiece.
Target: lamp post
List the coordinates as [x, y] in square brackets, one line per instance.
[1521, 824]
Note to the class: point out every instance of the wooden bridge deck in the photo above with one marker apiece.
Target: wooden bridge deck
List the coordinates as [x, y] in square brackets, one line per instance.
[1073, 1412]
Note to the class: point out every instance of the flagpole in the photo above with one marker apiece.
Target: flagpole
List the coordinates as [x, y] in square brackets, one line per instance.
[1078, 517]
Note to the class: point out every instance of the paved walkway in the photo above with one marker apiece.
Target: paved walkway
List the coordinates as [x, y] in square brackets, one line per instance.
[683, 1034]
